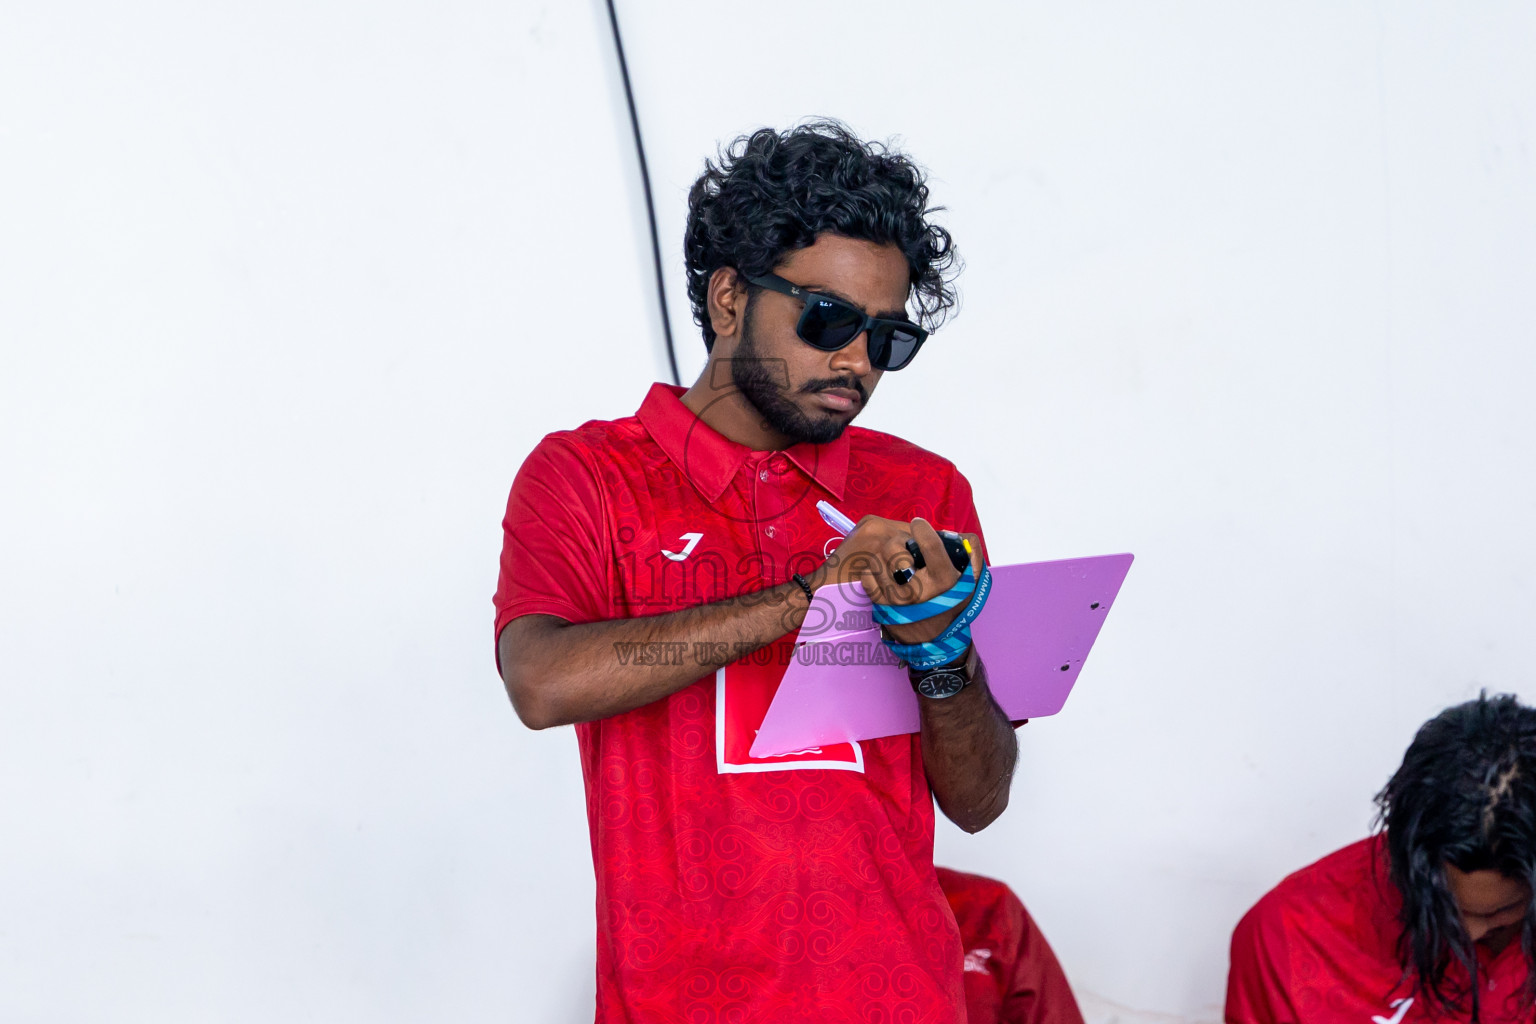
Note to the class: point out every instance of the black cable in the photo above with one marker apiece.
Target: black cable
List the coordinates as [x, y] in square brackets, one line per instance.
[650, 206]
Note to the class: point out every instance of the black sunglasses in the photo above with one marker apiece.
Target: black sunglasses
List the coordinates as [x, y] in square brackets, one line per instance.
[830, 324]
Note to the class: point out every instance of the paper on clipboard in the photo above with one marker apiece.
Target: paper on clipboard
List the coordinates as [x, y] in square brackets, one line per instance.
[1038, 626]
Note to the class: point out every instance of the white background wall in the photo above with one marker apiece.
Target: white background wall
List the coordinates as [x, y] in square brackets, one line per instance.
[288, 290]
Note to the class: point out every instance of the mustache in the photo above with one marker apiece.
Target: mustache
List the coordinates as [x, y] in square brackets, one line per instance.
[851, 383]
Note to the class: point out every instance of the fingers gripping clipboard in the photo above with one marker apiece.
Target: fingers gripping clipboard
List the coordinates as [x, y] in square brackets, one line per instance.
[1034, 635]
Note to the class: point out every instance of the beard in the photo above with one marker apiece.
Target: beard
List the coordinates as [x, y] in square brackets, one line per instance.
[755, 377]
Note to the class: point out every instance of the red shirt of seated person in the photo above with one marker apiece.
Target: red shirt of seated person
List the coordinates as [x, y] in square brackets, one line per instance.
[1011, 974]
[1430, 920]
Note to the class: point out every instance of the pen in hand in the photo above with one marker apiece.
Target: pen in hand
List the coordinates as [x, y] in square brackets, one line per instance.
[958, 548]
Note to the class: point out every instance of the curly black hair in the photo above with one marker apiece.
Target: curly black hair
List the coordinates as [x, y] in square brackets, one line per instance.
[1465, 795]
[773, 192]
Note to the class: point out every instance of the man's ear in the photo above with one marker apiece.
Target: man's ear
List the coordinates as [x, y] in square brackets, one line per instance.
[727, 303]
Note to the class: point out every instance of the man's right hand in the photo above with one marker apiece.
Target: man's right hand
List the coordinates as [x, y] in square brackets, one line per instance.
[876, 549]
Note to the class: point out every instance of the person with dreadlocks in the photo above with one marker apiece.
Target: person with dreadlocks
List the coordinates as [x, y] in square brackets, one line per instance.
[1428, 920]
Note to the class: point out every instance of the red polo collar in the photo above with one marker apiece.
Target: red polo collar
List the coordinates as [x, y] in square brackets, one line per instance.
[711, 460]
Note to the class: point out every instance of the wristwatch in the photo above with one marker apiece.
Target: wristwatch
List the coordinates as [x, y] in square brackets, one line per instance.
[946, 680]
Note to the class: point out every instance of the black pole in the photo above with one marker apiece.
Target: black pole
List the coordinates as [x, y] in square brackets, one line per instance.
[650, 205]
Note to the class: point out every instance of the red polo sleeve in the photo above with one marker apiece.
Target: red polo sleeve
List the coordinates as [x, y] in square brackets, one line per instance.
[1038, 992]
[960, 513]
[554, 543]
[1256, 986]
[1011, 973]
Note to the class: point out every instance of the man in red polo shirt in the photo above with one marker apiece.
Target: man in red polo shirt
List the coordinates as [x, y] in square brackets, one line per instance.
[1430, 920]
[1011, 973]
[656, 568]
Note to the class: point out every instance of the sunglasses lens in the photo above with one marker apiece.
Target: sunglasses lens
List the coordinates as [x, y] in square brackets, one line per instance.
[829, 324]
[892, 346]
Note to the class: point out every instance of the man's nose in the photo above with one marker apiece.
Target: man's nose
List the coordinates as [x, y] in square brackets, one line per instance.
[853, 357]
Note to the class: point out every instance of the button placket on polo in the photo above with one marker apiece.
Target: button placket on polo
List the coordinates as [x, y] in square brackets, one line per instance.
[767, 471]
[769, 495]
[773, 468]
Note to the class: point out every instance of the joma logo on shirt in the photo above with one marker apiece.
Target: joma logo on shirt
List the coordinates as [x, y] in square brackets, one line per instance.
[1401, 1006]
[692, 539]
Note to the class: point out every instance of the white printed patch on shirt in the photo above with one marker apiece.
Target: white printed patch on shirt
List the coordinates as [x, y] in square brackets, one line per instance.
[976, 960]
[743, 691]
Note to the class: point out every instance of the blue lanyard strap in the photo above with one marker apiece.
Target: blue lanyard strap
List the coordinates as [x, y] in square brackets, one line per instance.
[953, 642]
[902, 614]
[933, 654]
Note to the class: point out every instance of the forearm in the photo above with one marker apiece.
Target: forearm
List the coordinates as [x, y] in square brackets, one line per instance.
[969, 752]
[558, 673]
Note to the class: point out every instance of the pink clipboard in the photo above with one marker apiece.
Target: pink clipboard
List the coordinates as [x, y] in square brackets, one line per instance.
[1035, 633]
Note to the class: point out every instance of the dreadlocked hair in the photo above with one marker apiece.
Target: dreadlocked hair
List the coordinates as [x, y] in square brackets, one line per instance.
[1465, 795]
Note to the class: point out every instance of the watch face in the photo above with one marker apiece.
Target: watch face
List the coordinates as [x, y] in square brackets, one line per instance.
[941, 684]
